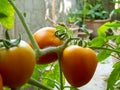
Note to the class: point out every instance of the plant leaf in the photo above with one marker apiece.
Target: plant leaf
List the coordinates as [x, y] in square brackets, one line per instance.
[103, 54]
[117, 40]
[2, 15]
[51, 77]
[98, 42]
[114, 24]
[114, 76]
[6, 14]
[102, 29]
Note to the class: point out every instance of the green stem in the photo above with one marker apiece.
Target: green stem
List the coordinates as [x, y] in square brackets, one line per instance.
[58, 50]
[58, 84]
[113, 50]
[55, 49]
[27, 29]
[38, 84]
[61, 48]
[61, 76]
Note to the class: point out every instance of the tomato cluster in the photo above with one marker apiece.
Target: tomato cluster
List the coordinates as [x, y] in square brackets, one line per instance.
[78, 64]
[17, 63]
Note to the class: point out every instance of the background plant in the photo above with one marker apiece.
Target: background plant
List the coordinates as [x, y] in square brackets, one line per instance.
[90, 10]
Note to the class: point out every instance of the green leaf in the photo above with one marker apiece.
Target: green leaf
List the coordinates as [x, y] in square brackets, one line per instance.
[39, 69]
[103, 54]
[117, 54]
[116, 65]
[51, 77]
[48, 79]
[114, 76]
[102, 29]
[112, 37]
[98, 42]
[117, 85]
[115, 24]
[117, 40]
[6, 14]
[2, 15]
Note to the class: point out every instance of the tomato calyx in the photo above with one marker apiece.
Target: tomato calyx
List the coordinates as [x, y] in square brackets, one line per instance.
[63, 32]
[8, 43]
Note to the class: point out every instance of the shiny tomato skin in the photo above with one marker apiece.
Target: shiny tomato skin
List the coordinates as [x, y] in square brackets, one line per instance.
[45, 37]
[17, 64]
[78, 65]
[1, 83]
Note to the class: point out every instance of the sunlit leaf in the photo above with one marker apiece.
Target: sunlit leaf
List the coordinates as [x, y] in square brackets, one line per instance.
[2, 15]
[97, 42]
[51, 77]
[103, 54]
[114, 76]
[6, 14]
[115, 24]
[111, 37]
[102, 29]
[118, 40]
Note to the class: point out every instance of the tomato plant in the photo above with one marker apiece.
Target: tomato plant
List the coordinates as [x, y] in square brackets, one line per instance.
[17, 64]
[45, 37]
[1, 82]
[78, 65]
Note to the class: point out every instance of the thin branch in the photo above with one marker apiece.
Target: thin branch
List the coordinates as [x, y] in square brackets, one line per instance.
[113, 50]
[38, 84]
[27, 29]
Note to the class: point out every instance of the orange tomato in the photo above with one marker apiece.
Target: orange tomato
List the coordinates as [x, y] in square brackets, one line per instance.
[45, 37]
[78, 65]
[17, 64]
[1, 83]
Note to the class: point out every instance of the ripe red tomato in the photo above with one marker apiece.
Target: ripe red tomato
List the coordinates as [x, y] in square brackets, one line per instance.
[45, 37]
[78, 65]
[17, 64]
[1, 83]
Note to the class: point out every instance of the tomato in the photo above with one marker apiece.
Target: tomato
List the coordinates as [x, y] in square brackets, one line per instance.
[1, 83]
[45, 37]
[78, 65]
[17, 64]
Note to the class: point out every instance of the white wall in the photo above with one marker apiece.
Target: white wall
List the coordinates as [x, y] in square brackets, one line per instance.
[36, 11]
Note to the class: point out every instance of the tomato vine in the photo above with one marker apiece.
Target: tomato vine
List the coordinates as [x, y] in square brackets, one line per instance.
[27, 29]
